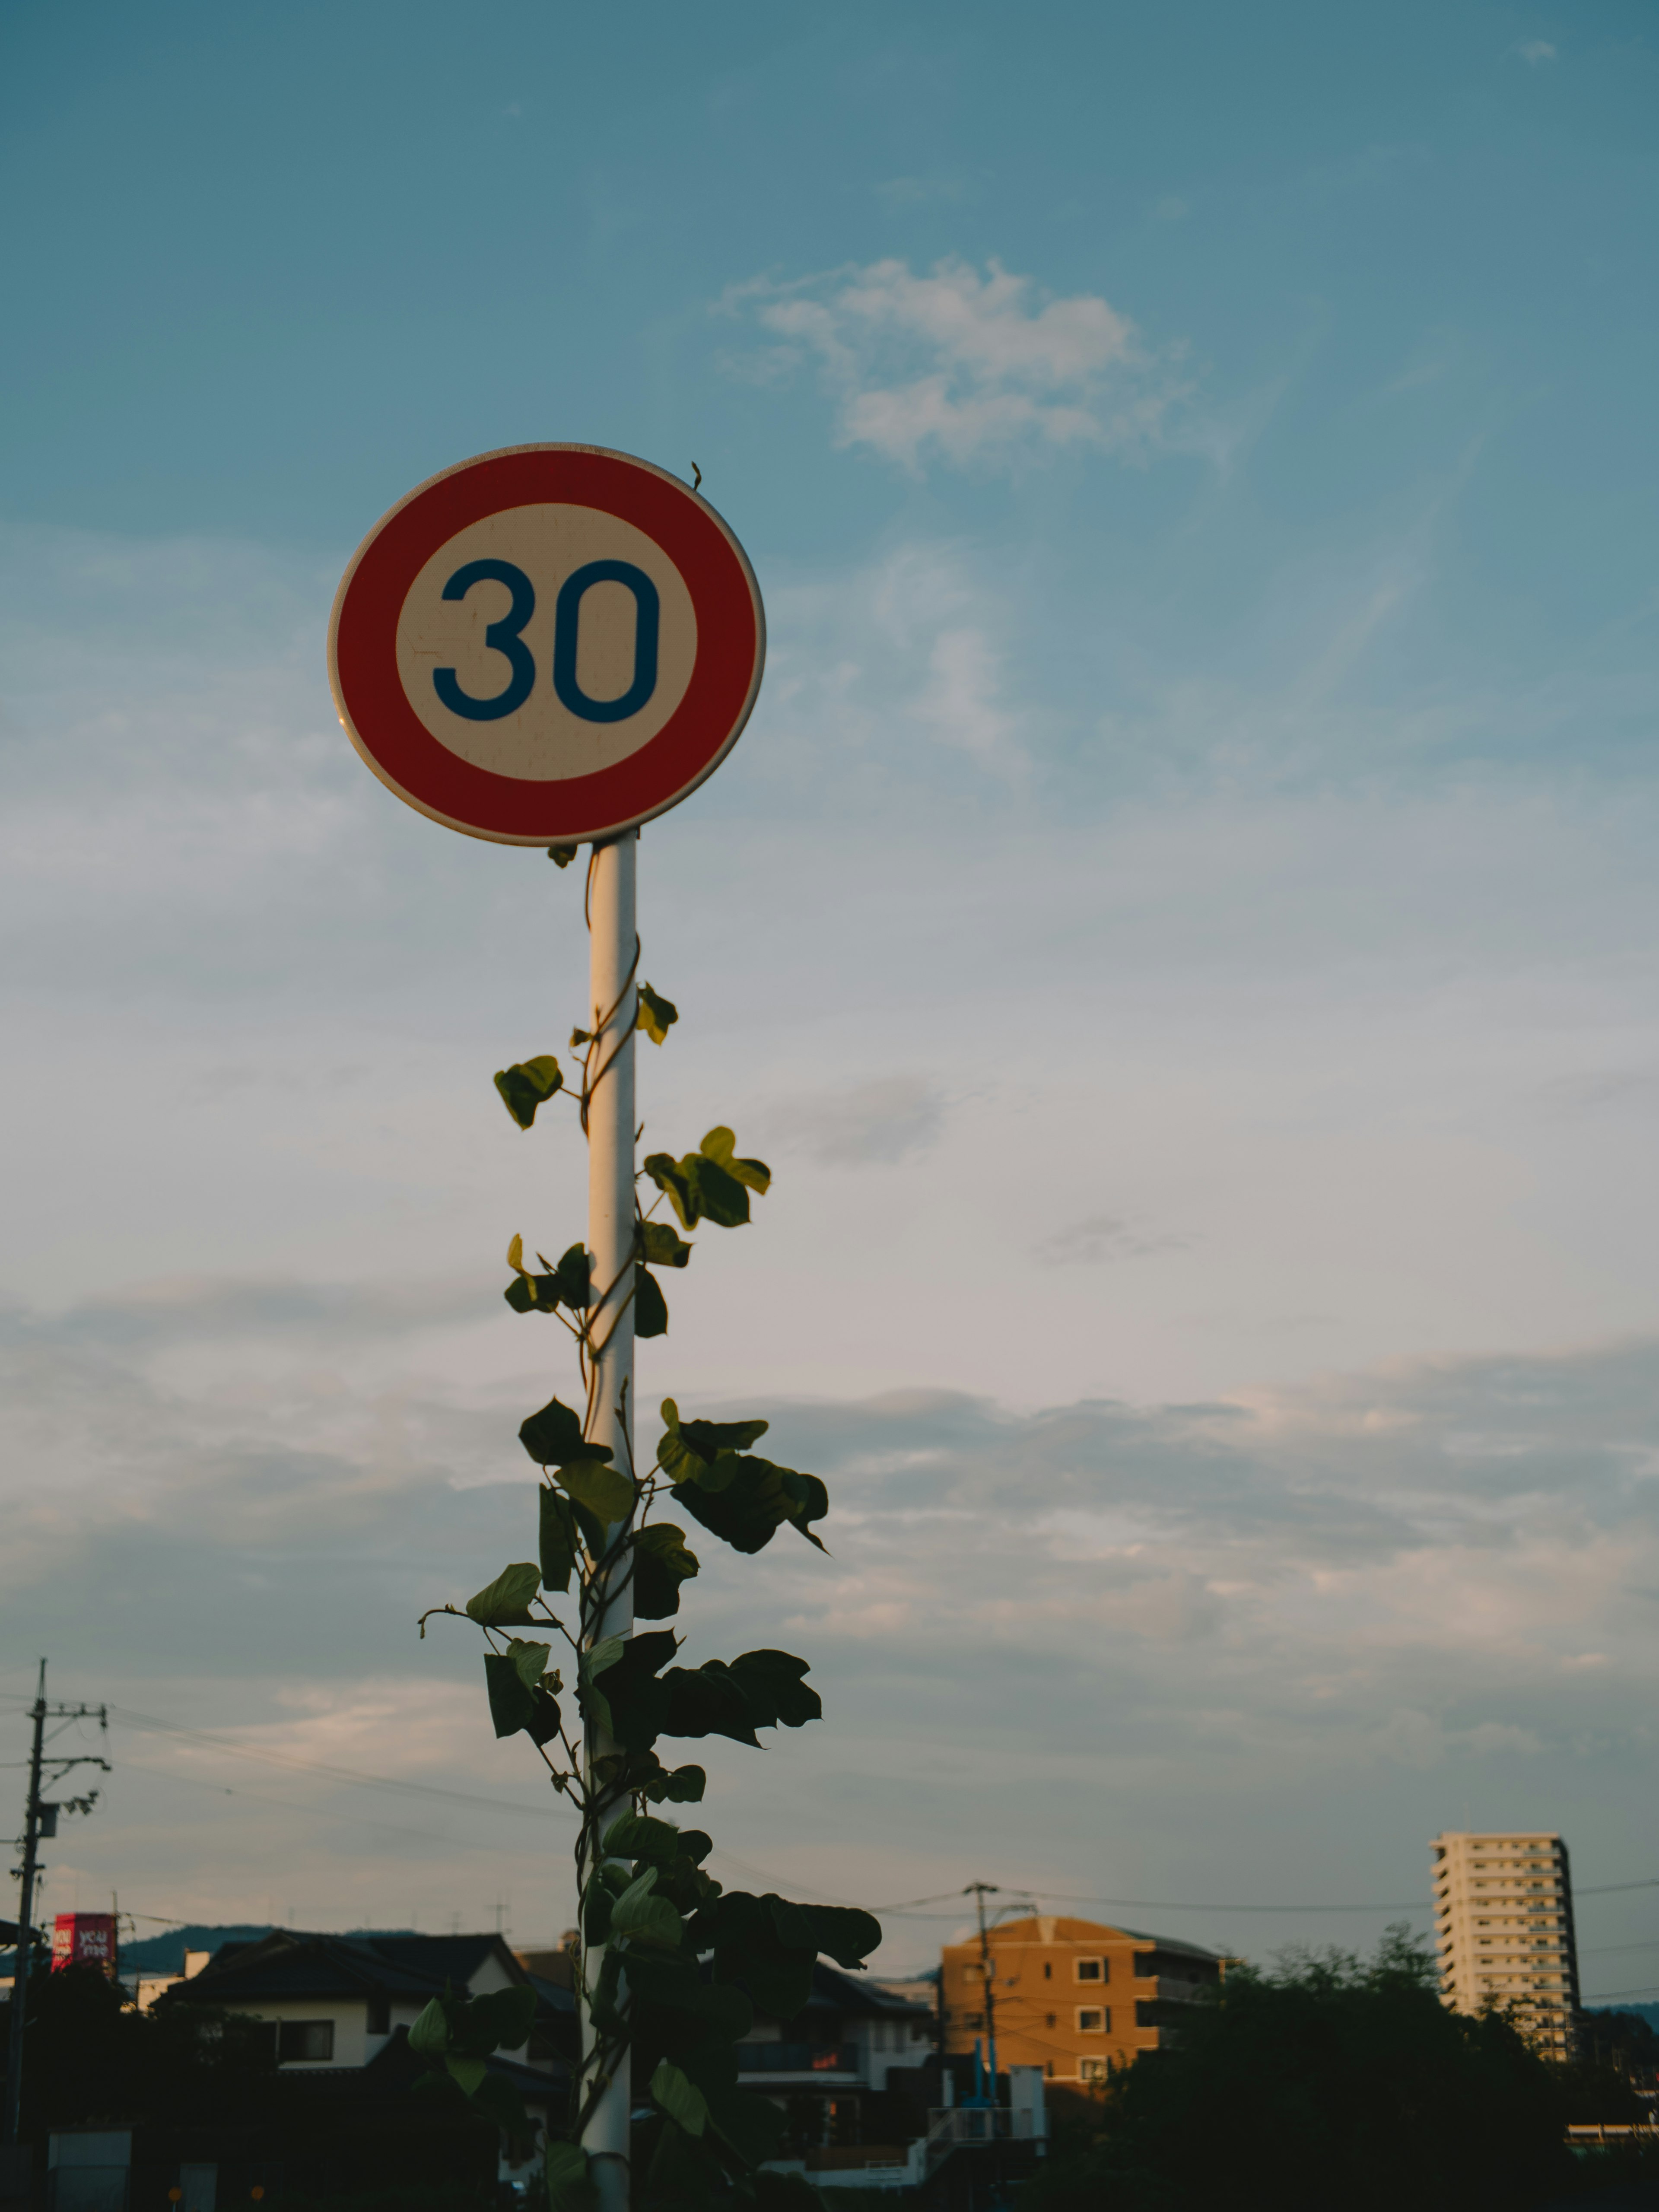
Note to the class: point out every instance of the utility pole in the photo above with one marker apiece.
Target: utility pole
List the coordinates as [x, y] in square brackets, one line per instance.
[40, 1820]
[978, 1890]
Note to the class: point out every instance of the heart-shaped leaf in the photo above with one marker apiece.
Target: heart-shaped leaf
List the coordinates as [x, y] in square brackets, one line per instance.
[505, 1603]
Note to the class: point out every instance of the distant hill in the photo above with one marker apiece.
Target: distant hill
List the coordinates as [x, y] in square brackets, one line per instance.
[165, 1954]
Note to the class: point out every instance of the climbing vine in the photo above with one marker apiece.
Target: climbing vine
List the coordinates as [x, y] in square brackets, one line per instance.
[684, 1964]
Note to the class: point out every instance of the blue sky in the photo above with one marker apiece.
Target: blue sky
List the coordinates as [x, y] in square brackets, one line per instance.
[1179, 923]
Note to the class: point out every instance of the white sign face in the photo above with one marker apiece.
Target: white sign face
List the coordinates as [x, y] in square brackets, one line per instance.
[546, 641]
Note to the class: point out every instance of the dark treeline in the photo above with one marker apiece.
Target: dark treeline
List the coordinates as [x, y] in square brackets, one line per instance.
[1337, 2084]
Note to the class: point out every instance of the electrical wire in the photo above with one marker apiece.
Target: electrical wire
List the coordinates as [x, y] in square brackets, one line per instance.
[314, 1812]
[909, 1908]
[149, 1724]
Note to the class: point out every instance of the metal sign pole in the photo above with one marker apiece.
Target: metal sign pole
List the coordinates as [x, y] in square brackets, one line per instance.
[614, 957]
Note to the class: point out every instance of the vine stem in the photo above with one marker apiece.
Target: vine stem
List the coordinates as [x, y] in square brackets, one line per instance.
[607, 1114]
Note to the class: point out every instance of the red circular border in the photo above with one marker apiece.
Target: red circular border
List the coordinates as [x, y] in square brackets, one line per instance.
[570, 810]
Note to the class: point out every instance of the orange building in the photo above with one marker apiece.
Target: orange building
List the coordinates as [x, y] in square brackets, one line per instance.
[1070, 1996]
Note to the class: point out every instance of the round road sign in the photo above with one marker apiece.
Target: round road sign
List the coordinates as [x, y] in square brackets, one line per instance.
[547, 644]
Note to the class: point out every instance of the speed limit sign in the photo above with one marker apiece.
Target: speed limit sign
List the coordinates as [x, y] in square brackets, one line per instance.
[547, 644]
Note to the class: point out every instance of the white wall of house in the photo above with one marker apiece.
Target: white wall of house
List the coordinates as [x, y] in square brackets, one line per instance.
[354, 2043]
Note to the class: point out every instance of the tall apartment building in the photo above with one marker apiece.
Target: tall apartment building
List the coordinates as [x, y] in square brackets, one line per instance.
[1073, 1997]
[1503, 1922]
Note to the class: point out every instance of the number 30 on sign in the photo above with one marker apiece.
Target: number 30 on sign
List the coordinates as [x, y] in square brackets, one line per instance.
[547, 644]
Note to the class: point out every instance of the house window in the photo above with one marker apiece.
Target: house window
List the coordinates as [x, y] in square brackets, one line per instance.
[1092, 2070]
[379, 2013]
[305, 2038]
[1092, 1970]
[1091, 2019]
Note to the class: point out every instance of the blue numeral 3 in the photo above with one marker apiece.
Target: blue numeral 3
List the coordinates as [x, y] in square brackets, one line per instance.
[502, 636]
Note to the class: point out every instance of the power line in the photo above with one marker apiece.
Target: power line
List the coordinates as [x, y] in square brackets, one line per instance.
[148, 1722]
[907, 1908]
[293, 1805]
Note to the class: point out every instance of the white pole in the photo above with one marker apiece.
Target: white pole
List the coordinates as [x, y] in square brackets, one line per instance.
[613, 955]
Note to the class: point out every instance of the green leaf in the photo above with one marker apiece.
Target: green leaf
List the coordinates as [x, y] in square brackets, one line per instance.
[637, 1836]
[748, 1948]
[568, 1283]
[429, 2036]
[696, 1451]
[661, 1563]
[752, 2125]
[505, 1603]
[506, 2016]
[636, 1699]
[600, 1661]
[683, 2103]
[498, 2101]
[840, 1931]
[657, 1015]
[517, 1698]
[720, 1145]
[573, 1278]
[752, 1502]
[684, 1785]
[809, 1501]
[771, 1681]
[650, 1307]
[706, 1700]
[559, 1546]
[606, 1491]
[638, 1916]
[554, 1435]
[662, 1245]
[699, 1189]
[467, 2072]
[570, 2186]
[527, 1084]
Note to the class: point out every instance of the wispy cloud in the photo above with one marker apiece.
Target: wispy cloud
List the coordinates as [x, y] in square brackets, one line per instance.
[882, 1123]
[1100, 1238]
[968, 366]
[1536, 51]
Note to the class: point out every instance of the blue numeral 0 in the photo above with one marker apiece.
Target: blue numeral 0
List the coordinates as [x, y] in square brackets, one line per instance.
[567, 623]
[502, 636]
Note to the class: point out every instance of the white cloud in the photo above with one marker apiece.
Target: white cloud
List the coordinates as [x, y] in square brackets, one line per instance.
[1102, 1237]
[882, 1123]
[967, 365]
[1536, 51]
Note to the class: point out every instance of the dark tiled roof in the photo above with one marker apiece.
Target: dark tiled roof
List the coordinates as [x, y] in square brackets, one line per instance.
[832, 1990]
[286, 1964]
[1171, 1944]
[553, 1995]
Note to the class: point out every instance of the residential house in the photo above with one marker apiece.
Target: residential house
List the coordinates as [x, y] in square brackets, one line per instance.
[1073, 1997]
[831, 2067]
[340, 2009]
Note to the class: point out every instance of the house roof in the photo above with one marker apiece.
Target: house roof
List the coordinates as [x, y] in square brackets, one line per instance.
[1035, 1929]
[835, 1992]
[289, 1964]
